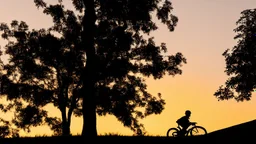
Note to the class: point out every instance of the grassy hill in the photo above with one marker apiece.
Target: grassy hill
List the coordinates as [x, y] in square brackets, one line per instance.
[235, 134]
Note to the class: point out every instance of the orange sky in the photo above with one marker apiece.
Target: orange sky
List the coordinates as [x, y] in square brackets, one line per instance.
[204, 31]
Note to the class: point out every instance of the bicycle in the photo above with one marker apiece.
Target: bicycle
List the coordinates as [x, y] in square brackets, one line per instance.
[192, 131]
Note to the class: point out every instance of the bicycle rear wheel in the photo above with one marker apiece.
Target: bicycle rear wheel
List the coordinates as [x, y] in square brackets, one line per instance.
[172, 132]
[198, 130]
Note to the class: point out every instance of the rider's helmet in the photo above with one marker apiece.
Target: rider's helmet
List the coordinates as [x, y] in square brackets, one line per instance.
[188, 112]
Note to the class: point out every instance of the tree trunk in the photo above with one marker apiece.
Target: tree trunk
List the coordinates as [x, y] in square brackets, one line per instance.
[70, 111]
[65, 124]
[63, 94]
[88, 76]
[89, 114]
[65, 128]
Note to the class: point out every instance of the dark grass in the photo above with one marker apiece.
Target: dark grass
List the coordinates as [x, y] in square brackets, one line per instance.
[102, 139]
[238, 134]
[207, 139]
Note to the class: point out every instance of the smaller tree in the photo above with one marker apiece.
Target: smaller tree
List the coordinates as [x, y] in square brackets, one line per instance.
[241, 61]
[43, 69]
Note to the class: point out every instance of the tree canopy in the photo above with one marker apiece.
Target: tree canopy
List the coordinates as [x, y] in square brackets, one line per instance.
[241, 61]
[97, 54]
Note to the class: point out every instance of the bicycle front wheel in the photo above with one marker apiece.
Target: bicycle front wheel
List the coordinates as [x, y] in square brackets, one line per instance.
[198, 130]
[172, 132]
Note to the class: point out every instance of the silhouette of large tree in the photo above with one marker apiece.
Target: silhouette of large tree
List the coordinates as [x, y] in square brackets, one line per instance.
[115, 58]
[241, 61]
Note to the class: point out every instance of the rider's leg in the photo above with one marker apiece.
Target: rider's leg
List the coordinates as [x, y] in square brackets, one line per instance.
[184, 130]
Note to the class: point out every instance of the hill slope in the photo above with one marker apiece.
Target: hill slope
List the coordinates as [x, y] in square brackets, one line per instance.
[235, 134]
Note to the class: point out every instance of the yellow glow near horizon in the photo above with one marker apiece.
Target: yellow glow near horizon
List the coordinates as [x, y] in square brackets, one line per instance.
[203, 33]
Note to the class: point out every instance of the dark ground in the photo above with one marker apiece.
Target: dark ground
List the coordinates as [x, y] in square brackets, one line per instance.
[238, 134]
[130, 140]
[99, 139]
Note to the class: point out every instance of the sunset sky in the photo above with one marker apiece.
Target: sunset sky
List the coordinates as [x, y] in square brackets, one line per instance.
[203, 33]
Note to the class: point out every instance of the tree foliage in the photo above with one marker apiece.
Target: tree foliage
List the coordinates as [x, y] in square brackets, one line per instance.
[47, 65]
[241, 61]
[42, 70]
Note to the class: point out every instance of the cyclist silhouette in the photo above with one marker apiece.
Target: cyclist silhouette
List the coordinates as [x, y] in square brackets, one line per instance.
[184, 122]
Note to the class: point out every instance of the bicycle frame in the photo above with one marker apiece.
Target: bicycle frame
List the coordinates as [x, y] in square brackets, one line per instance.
[188, 130]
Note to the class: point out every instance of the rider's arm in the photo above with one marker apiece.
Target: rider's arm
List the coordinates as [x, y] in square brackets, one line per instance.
[192, 123]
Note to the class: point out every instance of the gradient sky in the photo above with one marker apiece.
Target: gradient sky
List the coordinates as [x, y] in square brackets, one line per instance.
[204, 32]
